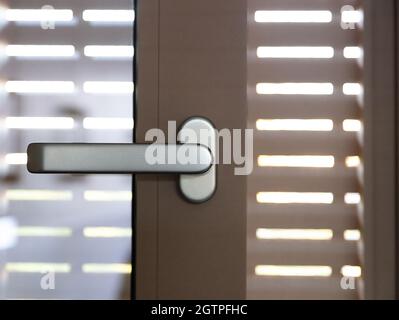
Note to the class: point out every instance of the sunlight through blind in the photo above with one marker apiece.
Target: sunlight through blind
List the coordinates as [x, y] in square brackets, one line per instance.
[305, 97]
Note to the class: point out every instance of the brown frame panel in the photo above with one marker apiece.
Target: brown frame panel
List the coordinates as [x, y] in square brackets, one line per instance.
[380, 149]
[191, 62]
[146, 116]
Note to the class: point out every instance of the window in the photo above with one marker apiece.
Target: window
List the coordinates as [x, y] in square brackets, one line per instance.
[305, 104]
[65, 77]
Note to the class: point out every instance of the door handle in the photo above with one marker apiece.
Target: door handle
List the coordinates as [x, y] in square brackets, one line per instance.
[193, 160]
[87, 158]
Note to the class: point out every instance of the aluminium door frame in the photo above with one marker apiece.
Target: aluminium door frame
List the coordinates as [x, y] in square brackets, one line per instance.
[381, 167]
[190, 60]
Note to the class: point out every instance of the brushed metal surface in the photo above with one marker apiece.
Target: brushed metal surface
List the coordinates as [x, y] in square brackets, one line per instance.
[117, 158]
[199, 187]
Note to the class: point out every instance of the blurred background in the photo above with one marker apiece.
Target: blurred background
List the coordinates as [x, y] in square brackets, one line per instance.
[305, 103]
[65, 76]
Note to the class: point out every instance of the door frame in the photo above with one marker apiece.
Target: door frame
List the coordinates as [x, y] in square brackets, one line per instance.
[184, 250]
[381, 143]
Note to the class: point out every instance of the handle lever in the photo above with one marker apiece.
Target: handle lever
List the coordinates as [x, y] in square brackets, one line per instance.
[86, 158]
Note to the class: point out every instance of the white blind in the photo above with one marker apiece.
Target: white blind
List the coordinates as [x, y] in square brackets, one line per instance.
[66, 76]
[305, 104]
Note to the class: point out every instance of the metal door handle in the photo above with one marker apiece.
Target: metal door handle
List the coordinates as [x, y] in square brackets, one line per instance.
[116, 158]
[192, 160]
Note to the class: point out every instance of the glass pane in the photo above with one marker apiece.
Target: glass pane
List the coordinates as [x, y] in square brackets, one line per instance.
[66, 76]
[305, 105]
